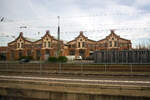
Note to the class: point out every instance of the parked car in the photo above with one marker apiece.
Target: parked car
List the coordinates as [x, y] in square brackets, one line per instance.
[24, 60]
[79, 58]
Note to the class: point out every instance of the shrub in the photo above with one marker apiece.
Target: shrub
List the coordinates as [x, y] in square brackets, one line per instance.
[62, 59]
[52, 59]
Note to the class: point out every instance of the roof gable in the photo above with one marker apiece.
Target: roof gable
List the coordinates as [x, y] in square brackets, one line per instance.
[48, 35]
[80, 35]
[112, 34]
[20, 36]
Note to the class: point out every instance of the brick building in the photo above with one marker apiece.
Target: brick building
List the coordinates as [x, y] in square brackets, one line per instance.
[38, 49]
[81, 46]
[113, 41]
[47, 46]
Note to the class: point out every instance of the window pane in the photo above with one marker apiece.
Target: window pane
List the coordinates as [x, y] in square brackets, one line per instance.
[110, 43]
[83, 44]
[115, 43]
[44, 44]
[21, 45]
[78, 44]
[48, 44]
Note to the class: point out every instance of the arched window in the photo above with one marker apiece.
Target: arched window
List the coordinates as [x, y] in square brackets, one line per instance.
[45, 44]
[22, 45]
[49, 44]
[110, 43]
[115, 44]
[83, 44]
[78, 44]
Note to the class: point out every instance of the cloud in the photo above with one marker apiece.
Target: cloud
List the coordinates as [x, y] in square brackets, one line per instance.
[130, 18]
[142, 3]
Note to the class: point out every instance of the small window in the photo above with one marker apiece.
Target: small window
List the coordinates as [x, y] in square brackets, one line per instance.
[80, 39]
[78, 44]
[110, 43]
[22, 45]
[83, 44]
[49, 44]
[28, 52]
[20, 54]
[44, 44]
[115, 43]
[112, 38]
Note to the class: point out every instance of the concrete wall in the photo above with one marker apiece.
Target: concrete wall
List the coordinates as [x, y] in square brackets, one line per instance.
[70, 96]
[51, 90]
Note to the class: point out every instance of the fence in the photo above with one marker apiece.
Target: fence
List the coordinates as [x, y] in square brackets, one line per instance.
[68, 68]
[123, 56]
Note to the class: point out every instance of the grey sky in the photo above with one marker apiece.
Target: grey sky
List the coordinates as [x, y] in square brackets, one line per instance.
[130, 18]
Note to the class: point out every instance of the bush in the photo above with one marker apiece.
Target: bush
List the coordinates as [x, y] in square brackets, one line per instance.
[52, 59]
[62, 59]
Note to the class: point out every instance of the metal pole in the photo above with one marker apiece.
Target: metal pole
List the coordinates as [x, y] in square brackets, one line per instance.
[58, 43]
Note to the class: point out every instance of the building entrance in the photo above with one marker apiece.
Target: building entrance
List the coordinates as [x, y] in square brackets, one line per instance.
[81, 53]
[46, 54]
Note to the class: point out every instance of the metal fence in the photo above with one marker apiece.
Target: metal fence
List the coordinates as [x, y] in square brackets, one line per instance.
[42, 68]
[123, 56]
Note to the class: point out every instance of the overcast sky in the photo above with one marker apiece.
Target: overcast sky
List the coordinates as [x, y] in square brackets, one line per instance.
[129, 18]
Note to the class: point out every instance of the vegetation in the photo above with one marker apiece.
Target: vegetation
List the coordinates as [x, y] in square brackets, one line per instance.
[61, 59]
[52, 59]
[143, 45]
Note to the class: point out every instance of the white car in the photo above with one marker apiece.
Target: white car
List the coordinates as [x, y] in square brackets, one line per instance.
[79, 58]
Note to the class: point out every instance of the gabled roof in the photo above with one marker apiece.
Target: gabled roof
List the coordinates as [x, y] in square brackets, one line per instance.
[81, 35]
[112, 33]
[20, 35]
[48, 33]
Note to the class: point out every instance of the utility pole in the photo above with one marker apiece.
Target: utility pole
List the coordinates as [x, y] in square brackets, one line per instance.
[58, 48]
[58, 32]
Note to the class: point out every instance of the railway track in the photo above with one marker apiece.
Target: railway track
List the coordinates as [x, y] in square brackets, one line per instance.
[77, 80]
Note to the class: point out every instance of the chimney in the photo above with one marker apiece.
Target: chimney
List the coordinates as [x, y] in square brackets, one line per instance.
[112, 31]
[21, 33]
[81, 32]
[47, 32]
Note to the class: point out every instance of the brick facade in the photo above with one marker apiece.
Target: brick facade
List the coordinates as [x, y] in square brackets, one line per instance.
[47, 46]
